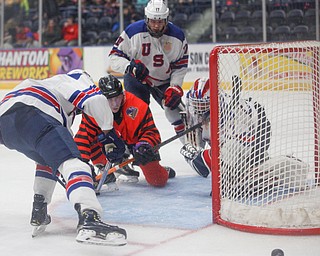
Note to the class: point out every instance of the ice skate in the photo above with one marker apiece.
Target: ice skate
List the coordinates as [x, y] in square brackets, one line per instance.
[39, 217]
[94, 231]
[171, 172]
[109, 184]
[127, 174]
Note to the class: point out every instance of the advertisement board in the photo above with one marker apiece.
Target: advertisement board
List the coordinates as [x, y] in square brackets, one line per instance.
[19, 64]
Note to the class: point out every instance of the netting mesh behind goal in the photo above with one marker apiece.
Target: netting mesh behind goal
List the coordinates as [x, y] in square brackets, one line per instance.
[265, 136]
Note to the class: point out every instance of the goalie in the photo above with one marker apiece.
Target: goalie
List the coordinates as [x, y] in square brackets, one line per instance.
[244, 130]
[244, 138]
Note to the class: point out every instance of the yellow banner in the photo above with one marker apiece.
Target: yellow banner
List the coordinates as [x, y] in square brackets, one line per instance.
[19, 64]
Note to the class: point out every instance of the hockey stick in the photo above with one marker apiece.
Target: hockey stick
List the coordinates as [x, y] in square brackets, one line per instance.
[235, 99]
[149, 82]
[235, 91]
[116, 167]
[159, 92]
[102, 178]
[61, 182]
[104, 175]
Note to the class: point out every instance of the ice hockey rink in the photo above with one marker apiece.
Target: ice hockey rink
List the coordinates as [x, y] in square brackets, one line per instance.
[175, 220]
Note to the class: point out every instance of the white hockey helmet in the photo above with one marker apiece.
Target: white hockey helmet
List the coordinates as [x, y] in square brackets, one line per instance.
[81, 76]
[156, 10]
[198, 96]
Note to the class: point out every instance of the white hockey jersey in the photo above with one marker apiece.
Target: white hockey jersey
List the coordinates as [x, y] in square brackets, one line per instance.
[59, 97]
[165, 57]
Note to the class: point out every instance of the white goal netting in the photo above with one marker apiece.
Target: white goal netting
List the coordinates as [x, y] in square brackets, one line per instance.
[268, 134]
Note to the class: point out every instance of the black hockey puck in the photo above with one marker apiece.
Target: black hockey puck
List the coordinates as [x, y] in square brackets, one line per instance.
[277, 252]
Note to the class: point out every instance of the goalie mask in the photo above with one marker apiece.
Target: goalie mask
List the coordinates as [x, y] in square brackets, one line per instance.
[110, 86]
[198, 97]
[156, 17]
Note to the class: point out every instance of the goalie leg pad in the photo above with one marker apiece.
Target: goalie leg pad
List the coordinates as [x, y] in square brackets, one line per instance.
[202, 163]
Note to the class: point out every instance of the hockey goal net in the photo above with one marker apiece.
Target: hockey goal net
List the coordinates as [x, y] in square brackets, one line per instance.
[265, 156]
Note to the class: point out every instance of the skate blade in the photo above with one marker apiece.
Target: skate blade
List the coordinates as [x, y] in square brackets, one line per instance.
[128, 179]
[38, 230]
[111, 187]
[107, 189]
[112, 239]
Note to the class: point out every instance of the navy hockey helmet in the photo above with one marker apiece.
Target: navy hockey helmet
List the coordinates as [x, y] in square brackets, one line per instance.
[110, 86]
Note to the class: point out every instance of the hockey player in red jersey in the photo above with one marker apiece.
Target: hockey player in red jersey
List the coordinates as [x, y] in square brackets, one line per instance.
[134, 122]
[153, 53]
[35, 119]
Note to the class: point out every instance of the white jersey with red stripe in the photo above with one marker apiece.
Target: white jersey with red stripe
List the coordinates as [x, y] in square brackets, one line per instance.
[244, 131]
[165, 57]
[59, 97]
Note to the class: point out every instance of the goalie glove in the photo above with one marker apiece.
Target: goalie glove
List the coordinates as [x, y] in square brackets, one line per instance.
[188, 151]
[196, 159]
[137, 69]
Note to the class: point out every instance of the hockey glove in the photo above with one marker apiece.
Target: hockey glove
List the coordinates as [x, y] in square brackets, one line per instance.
[113, 146]
[172, 96]
[143, 153]
[188, 151]
[137, 69]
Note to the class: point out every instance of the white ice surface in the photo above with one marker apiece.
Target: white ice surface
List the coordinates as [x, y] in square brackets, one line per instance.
[175, 220]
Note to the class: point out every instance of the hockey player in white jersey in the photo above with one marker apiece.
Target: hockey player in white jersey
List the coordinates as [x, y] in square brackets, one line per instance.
[153, 53]
[244, 140]
[35, 119]
[252, 145]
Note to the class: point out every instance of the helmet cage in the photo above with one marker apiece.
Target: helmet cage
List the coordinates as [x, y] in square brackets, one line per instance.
[199, 106]
[199, 97]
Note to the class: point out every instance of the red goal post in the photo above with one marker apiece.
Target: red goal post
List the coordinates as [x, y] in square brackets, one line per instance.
[280, 193]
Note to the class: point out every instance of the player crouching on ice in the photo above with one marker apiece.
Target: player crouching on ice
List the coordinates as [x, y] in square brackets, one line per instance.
[35, 119]
[244, 138]
[134, 122]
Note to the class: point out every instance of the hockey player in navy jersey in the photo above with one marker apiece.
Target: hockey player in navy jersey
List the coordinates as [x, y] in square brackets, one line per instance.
[153, 53]
[35, 119]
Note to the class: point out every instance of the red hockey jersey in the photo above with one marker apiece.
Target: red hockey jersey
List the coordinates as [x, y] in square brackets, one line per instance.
[134, 123]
